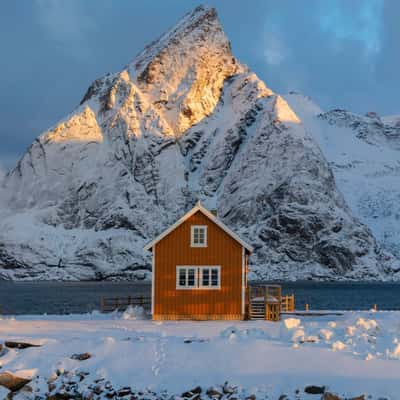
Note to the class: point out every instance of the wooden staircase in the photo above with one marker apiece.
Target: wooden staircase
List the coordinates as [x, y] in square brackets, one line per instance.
[257, 309]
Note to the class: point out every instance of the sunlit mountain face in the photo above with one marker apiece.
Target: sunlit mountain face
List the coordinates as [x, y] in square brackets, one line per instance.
[184, 121]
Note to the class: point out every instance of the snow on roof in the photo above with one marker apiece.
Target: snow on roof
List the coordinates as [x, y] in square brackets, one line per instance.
[209, 215]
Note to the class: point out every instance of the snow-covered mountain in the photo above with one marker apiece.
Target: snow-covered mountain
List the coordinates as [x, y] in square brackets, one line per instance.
[364, 154]
[185, 120]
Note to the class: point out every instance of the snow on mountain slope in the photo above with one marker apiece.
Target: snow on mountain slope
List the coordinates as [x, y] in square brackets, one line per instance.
[364, 154]
[183, 121]
[391, 120]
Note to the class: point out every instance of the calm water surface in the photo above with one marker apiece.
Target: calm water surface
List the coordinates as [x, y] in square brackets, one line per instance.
[80, 297]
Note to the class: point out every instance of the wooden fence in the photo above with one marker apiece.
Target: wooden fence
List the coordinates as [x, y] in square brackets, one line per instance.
[109, 304]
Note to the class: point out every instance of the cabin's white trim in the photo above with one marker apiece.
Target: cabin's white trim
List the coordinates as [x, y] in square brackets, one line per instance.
[192, 243]
[243, 281]
[153, 279]
[199, 207]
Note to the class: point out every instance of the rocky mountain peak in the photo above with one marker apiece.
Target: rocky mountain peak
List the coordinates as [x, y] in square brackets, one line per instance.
[177, 80]
[183, 121]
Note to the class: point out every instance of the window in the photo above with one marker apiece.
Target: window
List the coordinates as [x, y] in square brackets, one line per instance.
[203, 277]
[186, 277]
[210, 277]
[198, 236]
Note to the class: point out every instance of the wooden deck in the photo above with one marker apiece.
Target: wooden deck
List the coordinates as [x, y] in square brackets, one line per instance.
[266, 302]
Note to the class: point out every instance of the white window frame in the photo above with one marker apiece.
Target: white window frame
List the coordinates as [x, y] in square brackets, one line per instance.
[198, 277]
[209, 268]
[186, 268]
[192, 228]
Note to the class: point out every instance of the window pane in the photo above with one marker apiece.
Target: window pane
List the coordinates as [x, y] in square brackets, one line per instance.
[191, 277]
[214, 277]
[195, 235]
[206, 277]
[182, 277]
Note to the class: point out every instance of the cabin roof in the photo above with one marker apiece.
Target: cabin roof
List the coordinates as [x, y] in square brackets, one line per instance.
[209, 215]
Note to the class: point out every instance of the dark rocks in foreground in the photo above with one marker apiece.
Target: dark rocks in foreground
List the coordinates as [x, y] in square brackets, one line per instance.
[77, 385]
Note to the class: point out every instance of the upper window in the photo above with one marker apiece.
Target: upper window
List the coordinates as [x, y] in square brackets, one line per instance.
[198, 236]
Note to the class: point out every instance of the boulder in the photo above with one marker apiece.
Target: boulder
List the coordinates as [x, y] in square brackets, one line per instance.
[125, 391]
[214, 393]
[330, 396]
[12, 382]
[20, 345]
[192, 393]
[81, 356]
[313, 389]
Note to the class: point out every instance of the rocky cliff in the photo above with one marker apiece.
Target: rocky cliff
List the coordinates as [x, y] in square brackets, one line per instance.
[183, 121]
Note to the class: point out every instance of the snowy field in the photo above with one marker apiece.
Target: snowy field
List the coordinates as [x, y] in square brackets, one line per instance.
[351, 354]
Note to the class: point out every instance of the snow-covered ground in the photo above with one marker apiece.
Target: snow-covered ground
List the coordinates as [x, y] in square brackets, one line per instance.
[351, 354]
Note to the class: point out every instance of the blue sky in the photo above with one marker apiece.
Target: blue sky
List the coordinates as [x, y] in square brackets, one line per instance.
[342, 53]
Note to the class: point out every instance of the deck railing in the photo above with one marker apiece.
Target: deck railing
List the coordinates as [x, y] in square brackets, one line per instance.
[109, 304]
[287, 304]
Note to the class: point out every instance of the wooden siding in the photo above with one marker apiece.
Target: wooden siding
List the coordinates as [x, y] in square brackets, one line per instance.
[198, 304]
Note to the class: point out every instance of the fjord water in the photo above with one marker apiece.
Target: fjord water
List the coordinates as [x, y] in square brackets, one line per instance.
[18, 298]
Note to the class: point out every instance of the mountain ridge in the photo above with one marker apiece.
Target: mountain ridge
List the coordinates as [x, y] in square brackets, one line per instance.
[181, 122]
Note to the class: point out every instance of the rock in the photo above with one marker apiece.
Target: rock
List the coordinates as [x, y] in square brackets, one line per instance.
[330, 396]
[191, 393]
[361, 397]
[251, 397]
[12, 382]
[125, 391]
[214, 393]
[60, 396]
[312, 389]
[81, 357]
[228, 389]
[20, 345]
[51, 387]
[283, 397]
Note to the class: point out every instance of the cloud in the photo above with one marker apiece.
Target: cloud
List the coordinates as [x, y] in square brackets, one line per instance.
[361, 21]
[330, 50]
[67, 23]
[275, 51]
